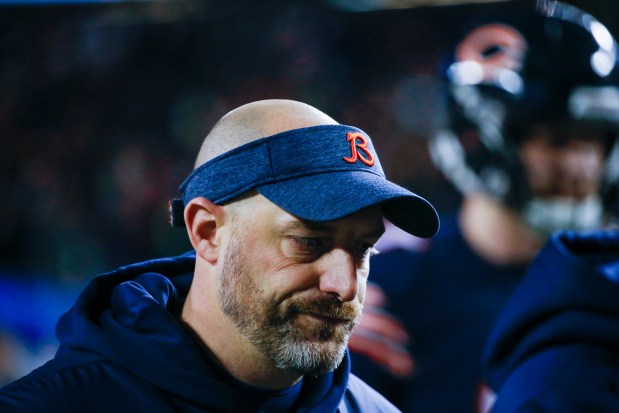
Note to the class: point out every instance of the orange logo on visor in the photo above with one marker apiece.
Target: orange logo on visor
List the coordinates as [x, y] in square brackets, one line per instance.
[358, 144]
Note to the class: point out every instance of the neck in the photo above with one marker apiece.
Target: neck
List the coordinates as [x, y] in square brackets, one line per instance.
[497, 233]
[222, 340]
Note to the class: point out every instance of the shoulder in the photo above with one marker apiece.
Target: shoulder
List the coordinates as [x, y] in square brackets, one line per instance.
[360, 397]
[77, 382]
[541, 383]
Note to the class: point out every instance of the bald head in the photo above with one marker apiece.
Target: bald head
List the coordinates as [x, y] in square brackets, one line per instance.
[257, 120]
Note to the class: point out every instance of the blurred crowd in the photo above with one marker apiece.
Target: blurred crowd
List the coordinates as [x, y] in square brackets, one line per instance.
[103, 109]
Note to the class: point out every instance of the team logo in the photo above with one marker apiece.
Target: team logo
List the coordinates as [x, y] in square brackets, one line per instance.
[494, 47]
[359, 149]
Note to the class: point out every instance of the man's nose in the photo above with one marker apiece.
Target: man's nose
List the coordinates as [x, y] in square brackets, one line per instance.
[339, 274]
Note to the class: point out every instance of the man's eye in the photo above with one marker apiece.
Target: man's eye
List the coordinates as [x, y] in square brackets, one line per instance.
[309, 245]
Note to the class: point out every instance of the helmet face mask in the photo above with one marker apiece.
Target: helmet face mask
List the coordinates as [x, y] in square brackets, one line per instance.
[546, 75]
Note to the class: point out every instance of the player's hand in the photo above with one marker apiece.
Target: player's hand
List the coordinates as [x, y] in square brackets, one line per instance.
[380, 336]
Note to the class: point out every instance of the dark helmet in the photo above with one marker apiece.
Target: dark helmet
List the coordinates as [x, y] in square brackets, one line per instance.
[552, 65]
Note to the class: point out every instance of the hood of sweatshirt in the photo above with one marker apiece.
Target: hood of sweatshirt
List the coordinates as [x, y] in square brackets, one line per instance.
[128, 316]
[567, 304]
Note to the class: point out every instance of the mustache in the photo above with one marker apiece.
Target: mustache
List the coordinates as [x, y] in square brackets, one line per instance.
[324, 307]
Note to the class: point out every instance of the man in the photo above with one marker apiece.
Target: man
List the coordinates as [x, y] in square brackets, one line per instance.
[282, 210]
[531, 144]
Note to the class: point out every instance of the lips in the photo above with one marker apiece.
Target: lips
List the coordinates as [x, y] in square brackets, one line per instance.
[322, 312]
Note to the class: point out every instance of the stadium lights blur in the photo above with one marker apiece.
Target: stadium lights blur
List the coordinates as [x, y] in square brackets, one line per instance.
[370, 5]
[76, 2]
[347, 5]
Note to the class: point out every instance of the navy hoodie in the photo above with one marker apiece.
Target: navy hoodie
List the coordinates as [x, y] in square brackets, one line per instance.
[122, 349]
[555, 347]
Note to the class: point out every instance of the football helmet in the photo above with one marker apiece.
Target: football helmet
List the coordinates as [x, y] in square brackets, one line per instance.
[554, 66]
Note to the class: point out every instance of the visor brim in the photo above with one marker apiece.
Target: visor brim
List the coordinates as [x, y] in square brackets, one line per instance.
[330, 196]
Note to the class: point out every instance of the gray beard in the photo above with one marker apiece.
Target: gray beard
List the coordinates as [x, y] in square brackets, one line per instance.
[270, 326]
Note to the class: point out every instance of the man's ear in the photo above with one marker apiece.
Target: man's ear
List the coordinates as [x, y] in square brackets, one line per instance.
[203, 220]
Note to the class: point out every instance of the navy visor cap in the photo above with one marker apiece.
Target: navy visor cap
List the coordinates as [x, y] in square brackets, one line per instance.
[318, 173]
